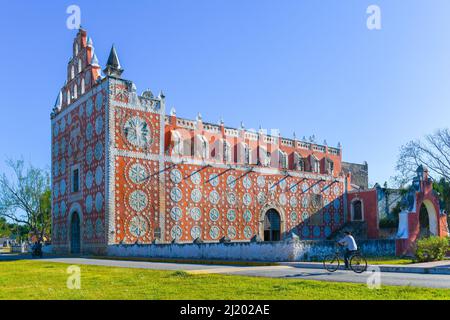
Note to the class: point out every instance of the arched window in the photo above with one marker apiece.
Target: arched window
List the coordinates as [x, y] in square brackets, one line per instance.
[315, 164]
[357, 210]
[80, 65]
[226, 151]
[75, 91]
[272, 226]
[329, 166]
[177, 143]
[283, 159]
[247, 154]
[68, 96]
[72, 72]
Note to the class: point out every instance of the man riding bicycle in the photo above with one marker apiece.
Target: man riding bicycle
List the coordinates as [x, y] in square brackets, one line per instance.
[349, 243]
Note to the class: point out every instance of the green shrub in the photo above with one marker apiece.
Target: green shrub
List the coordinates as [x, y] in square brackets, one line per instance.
[431, 249]
[388, 223]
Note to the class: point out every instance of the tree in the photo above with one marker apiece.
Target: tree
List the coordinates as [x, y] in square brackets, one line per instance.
[25, 199]
[432, 152]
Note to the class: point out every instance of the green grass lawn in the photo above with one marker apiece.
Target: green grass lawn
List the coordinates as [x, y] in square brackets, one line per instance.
[42, 280]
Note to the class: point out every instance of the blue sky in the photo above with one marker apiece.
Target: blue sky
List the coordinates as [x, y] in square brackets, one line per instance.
[311, 67]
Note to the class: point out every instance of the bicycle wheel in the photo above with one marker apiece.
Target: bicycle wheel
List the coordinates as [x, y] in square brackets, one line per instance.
[358, 263]
[331, 263]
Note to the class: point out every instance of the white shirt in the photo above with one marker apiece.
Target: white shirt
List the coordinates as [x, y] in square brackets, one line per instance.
[349, 243]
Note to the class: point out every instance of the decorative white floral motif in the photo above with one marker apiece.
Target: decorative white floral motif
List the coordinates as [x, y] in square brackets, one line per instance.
[248, 232]
[137, 173]
[214, 214]
[316, 189]
[231, 198]
[231, 232]
[283, 185]
[138, 200]
[294, 216]
[261, 181]
[293, 187]
[175, 176]
[214, 197]
[231, 181]
[247, 215]
[305, 187]
[293, 202]
[138, 226]
[176, 194]
[214, 180]
[247, 182]
[214, 232]
[196, 195]
[247, 199]
[176, 232]
[231, 215]
[176, 214]
[196, 214]
[137, 132]
[305, 216]
[283, 199]
[196, 232]
[196, 178]
[305, 202]
[336, 190]
[261, 198]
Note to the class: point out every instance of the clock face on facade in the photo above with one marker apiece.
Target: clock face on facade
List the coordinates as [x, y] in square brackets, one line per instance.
[137, 132]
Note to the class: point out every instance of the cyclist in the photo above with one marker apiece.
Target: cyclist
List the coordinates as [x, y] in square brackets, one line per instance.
[349, 243]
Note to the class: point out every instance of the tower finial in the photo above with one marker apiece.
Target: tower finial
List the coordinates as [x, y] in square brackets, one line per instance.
[113, 67]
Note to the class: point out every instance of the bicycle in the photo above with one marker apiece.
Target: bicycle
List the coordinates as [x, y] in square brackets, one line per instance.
[357, 262]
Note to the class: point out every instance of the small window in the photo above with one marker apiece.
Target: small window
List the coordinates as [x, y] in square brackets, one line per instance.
[75, 180]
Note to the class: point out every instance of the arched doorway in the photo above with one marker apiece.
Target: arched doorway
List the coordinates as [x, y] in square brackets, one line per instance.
[357, 210]
[428, 220]
[272, 226]
[75, 238]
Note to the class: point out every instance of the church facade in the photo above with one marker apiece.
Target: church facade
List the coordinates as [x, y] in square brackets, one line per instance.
[126, 172]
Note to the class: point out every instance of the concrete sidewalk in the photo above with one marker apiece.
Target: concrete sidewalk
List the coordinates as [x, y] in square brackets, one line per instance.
[436, 267]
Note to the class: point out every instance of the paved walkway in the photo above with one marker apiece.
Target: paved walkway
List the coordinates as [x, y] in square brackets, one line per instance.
[288, 270]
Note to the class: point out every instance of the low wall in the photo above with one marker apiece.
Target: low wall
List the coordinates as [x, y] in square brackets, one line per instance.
[262, 251]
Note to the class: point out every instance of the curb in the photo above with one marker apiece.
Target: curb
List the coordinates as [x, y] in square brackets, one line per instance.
[394, 269]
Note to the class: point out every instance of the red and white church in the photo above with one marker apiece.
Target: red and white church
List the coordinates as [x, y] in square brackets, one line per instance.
[125, 172]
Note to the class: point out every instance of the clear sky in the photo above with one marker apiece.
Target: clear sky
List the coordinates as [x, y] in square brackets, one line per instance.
[311, 67]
